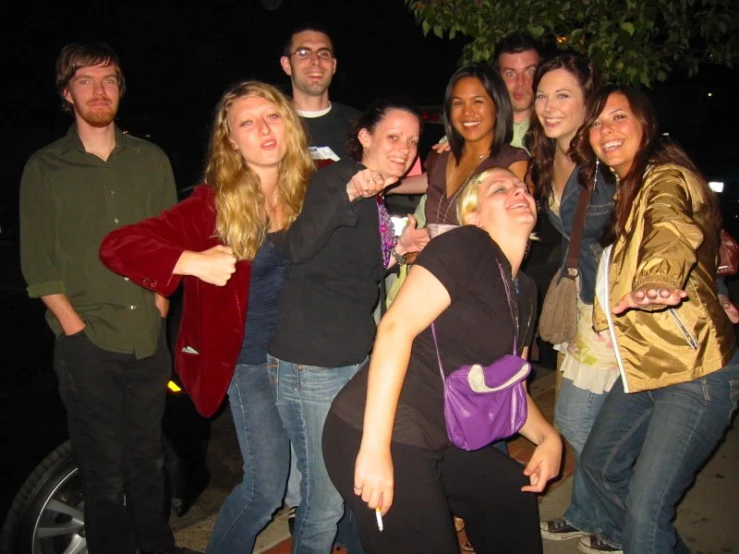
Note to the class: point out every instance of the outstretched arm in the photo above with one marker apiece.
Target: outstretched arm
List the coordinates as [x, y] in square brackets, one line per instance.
[419, 302]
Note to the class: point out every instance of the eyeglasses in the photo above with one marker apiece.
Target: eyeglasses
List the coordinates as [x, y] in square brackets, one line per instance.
[307, 54]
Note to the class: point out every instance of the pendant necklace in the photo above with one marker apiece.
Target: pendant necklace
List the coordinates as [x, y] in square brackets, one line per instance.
[450, 201]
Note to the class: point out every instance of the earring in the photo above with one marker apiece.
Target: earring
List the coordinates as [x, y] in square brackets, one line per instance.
[595, 175]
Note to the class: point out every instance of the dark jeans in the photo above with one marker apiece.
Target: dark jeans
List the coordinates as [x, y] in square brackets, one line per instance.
[645, 450]
[115, 404]
[481, 487]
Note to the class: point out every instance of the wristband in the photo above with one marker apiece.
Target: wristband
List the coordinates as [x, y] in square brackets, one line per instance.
[399, 258]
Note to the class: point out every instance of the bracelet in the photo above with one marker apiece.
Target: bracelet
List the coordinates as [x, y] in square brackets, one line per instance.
[399, 258]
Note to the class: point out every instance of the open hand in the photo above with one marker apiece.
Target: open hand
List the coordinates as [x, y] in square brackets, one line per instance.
[441, 146]
[648, 296]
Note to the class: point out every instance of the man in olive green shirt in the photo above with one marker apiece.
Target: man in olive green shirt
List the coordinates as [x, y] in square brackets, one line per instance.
[110, 355]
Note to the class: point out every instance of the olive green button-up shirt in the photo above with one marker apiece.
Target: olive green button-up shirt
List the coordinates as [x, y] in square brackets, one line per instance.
[69, 200]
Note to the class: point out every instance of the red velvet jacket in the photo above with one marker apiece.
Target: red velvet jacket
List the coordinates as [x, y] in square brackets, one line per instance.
[213, 318]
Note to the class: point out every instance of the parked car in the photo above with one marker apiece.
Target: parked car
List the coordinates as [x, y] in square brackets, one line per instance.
[41, 498]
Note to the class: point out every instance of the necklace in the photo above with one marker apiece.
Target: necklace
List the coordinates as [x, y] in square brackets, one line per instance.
[451, 199]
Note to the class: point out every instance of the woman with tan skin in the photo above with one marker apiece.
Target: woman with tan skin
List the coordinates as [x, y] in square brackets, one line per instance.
[385, 440]
[675, 347]
[479, 125]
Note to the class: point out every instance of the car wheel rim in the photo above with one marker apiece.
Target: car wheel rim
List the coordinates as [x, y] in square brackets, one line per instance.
[60, 526]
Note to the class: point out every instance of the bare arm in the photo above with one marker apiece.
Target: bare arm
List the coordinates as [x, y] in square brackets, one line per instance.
[419, 302]
[61, 307]
[520, 168]
[418, 184]
[545, 463]
[214, 266]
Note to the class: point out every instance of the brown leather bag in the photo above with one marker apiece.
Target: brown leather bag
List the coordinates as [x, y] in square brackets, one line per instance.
[558, 318]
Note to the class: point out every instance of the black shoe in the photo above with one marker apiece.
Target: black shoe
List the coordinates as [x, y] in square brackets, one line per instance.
[593, 544]
[559, 530]
[291, 519]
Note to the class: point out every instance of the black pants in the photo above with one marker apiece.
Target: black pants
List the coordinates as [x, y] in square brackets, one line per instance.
[115, 405]
[481, 487]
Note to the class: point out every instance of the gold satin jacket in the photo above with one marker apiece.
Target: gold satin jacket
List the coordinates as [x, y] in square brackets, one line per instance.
[664, 242]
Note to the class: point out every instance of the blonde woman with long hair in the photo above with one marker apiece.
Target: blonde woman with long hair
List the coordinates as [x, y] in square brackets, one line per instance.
[224, 244]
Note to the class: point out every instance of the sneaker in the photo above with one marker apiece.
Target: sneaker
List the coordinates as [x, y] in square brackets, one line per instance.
[291, 519]
[559, 530]
[593, 544]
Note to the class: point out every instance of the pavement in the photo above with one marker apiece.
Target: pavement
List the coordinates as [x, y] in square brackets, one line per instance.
[706, 518]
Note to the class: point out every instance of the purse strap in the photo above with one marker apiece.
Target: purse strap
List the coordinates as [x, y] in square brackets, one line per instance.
[513, 317]
[573, 250]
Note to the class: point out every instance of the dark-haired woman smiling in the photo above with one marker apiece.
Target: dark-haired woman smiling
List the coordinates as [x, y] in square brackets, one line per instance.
[675, 347]
[340, 246]
[478, 121]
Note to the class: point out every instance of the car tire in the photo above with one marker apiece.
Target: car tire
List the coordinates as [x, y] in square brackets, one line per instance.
[46, 516]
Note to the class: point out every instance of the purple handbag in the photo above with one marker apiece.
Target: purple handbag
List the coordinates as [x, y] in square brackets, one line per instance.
[485, 404]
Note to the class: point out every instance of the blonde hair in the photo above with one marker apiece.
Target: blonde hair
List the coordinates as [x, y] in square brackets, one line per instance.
[469, 198]
[242, 220]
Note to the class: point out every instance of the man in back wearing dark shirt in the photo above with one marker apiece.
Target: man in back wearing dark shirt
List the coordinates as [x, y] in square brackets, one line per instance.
[310, 62]
[110, 355]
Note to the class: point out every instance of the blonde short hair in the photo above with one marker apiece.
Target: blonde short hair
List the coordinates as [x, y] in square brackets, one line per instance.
[469, 198]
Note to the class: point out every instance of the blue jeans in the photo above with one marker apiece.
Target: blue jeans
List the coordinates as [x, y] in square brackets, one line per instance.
[669, 432]
[574, 415]
[304, 397]
[266, 453]
[292, 497]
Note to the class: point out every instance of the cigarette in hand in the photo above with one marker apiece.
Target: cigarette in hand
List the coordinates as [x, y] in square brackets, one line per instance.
[378, 517]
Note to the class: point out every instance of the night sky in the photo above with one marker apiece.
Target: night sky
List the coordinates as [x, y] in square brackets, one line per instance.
[180, 56]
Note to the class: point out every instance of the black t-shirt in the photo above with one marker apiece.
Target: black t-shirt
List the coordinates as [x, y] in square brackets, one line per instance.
[326, 306]
[330, 130]
[477, 327]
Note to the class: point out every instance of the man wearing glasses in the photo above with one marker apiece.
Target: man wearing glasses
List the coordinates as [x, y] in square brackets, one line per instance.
[309, 60]
[310, 63]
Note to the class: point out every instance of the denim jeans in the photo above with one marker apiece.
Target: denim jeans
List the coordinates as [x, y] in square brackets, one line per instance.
[266, 454]
[574, 415]
[304, 397]
[292, 497]
[669, 433]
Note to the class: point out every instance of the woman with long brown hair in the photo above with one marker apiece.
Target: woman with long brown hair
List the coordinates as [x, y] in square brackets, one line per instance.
[562, 86]
[675, 347]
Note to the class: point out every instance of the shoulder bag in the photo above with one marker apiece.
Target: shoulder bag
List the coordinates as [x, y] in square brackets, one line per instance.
[485, 404]
[558, 318]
